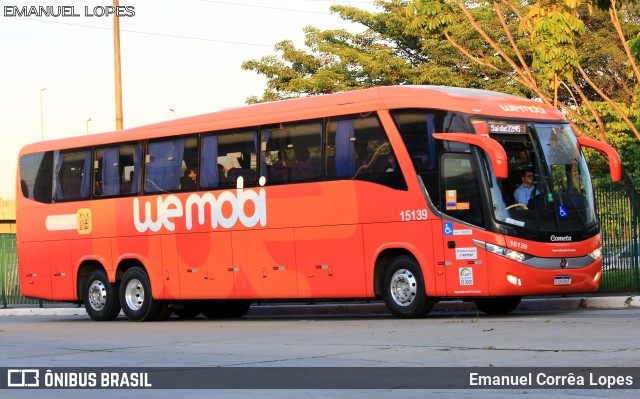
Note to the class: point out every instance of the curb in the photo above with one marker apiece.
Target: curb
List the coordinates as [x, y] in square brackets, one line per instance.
[375, 307]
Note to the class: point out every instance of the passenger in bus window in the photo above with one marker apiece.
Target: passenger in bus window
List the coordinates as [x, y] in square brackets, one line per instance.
[392, 163]
[98, 190]
[526, 190]
[222, 175]
[189, 180]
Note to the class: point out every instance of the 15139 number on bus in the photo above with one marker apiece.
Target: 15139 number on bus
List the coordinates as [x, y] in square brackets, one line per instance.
[410, 215]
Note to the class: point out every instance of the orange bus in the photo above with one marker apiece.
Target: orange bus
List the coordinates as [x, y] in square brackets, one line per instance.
[405, 193]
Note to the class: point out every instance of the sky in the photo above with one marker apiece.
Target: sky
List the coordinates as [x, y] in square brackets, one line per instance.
[181, 55]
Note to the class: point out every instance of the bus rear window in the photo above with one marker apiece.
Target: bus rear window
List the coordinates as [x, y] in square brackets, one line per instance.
[35, 176]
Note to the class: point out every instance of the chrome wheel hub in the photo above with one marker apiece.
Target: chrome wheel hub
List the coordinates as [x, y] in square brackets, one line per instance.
[134, 294]
[404, 287]
[97, 295]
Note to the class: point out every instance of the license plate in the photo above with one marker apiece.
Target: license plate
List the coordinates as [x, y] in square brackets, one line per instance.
[562, 280]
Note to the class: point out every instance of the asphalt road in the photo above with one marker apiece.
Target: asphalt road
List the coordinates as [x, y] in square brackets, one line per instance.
[531, 338]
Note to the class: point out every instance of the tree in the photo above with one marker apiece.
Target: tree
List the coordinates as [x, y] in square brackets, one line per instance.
[556, 31]
[391, 51]
[571, 54]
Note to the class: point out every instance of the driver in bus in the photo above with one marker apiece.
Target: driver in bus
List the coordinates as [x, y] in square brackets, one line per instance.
[526, 190]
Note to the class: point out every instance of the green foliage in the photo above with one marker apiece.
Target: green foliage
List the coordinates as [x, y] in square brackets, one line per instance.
[431, 15]
[619, 136]
[395, 49]
[532, 48]
[553, 30]
[634, 45]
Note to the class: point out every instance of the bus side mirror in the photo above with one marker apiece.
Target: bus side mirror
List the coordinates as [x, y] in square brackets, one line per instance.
[615, 166]
[497, 155]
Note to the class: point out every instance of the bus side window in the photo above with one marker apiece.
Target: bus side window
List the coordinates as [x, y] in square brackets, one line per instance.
[359, 149]
[117, 171]
[235, 157]
[166, 162]
[72, 175]
[291, 153]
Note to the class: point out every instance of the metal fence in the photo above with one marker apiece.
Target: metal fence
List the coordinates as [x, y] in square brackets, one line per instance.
[9, 284]
[618, 210]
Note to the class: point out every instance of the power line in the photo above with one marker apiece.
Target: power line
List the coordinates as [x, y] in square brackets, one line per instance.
[149, 33]
[339, 2]
[265, 7]
[201, 38]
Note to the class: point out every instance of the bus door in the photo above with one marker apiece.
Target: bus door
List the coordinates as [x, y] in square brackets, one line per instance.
[461, 204]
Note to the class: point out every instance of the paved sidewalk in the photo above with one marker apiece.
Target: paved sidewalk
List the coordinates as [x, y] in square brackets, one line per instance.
[375, 307]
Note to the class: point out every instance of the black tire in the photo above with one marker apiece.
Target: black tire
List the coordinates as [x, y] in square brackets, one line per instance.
[404, 290]
[136, 297]
[165, 311]
[225, 309]
[101, 297]
[498, 305]
[189, 310]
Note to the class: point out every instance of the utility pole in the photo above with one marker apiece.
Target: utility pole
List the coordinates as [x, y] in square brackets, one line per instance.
[118, 75]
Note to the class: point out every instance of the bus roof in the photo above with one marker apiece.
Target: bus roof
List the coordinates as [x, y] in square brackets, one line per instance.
[472, 101]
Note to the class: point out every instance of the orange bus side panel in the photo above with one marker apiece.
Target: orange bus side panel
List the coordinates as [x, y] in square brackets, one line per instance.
[35, 270]
[61, 271]
[204, 260]
[170, 270]
[330, 262]
[264, 264]
[98, 249]
[148, 251]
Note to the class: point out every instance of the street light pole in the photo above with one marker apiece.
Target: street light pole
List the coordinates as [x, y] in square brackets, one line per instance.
[116, 59]
[174, 112]
[41, 116]
[88, 120]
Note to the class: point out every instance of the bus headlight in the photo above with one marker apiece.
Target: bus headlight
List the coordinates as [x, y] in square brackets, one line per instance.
[502, 251]
[514, 280]
[596, 254]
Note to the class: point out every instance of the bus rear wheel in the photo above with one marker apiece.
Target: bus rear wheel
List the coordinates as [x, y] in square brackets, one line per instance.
[101, 297]
[498, 305]
[404, 290]
[136, 298]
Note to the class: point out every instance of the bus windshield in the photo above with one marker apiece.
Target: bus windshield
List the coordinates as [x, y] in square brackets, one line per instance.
[548, 189]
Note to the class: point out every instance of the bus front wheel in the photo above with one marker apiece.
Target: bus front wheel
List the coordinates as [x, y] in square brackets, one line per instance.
[101, 297]
[136, 299]
[404, 290]
[498, 305]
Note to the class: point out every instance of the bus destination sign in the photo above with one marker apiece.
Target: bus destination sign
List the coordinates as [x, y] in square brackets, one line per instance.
[503, 127]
